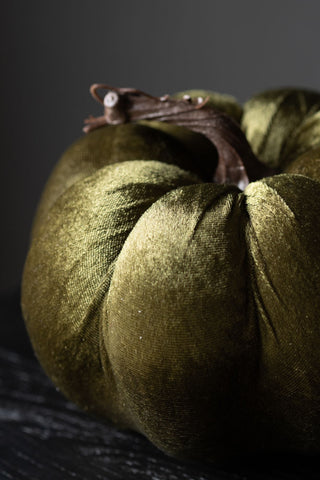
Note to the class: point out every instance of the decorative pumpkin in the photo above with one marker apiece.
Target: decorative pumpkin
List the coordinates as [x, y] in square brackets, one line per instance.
[172, 284]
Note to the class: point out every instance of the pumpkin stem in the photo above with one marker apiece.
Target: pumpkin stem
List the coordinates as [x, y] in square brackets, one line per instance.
[237, 163]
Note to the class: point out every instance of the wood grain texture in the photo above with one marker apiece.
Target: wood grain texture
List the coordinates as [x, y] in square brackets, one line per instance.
[45, 437]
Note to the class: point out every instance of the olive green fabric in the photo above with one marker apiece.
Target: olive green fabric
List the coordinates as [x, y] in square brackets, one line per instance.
[116, 144]
[282, 124]
[178, 307]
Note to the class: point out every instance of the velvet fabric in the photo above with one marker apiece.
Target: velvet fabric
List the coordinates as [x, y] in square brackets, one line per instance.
[184, 309]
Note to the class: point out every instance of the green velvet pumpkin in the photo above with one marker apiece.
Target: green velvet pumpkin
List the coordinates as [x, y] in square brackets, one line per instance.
[181, 308]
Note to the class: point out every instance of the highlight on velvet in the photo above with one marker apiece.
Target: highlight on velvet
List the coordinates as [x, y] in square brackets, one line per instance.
[172, 283]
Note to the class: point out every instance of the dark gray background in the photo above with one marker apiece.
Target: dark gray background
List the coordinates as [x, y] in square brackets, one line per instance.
[53, 51]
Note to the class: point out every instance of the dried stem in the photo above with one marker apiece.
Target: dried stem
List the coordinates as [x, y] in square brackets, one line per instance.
[237, 163]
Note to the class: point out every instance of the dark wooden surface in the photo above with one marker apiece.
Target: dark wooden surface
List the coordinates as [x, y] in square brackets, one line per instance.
[43, 436]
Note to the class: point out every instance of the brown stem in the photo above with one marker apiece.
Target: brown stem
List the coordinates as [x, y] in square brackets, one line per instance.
[237, 163]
